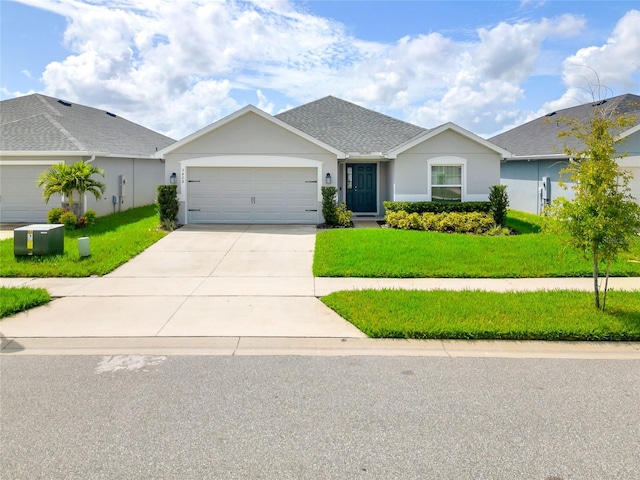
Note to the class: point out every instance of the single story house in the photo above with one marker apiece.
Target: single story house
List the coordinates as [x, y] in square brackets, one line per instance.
[532, 173]
[37, 131]
[252, 167]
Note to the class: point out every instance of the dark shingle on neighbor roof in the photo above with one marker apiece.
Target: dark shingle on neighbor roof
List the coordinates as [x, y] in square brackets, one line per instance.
[540, 136]
[40, 123]
[349, 127]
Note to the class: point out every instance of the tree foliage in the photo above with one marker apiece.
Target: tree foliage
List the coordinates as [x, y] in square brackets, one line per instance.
[603, 218]
[66, 179]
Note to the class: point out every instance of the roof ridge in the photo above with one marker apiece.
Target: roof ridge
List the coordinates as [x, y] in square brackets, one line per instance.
[594, 103]
[65, 132]
[49, 107]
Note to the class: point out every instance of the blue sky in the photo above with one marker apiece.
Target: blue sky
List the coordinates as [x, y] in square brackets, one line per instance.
[178, 66]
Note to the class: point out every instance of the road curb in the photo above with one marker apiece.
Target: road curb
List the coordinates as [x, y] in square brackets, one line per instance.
[336, 347]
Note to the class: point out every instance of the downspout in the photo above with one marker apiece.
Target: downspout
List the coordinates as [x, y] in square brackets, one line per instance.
[84, 198]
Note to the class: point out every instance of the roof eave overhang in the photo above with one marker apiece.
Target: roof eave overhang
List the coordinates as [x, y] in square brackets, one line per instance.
[529, 158]
[365, 156]
[629, 132]
[128, 155]
[48, 153]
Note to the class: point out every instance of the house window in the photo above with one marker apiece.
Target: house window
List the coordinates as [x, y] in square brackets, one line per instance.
[446, 183]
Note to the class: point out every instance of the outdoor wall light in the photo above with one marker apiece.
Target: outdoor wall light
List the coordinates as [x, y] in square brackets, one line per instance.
[328, 179]
[173, 179]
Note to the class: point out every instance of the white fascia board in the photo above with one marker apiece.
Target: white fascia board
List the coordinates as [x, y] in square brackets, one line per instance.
[528, 158]
[628, 132]
[46, 153]
[127, 155]
[365, 156]
[236, 115]
[442, 128]
[44, 163]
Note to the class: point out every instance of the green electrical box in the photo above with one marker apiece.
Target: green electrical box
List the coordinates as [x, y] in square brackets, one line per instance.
[38, 239]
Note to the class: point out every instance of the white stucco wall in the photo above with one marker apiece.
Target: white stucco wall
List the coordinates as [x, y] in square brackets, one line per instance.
[142, 175]
[481, 170]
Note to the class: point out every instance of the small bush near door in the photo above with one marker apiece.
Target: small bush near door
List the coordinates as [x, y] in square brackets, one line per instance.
[334, 215]
[329, 205]
[167, 201]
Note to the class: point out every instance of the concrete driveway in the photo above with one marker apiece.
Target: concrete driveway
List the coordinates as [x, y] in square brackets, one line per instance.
[213, 280]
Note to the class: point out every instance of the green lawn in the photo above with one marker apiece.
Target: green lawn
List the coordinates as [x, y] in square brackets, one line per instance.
[551, 315]
[114, 240]
[414, 254]
[17, 299]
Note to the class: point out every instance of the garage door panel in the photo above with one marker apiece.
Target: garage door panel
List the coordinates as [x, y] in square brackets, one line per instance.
[252, 195]
[20, 199]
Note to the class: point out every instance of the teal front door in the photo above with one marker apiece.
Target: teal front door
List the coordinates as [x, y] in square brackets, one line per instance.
[361, 187]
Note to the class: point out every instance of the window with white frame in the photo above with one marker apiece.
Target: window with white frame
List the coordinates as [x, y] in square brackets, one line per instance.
[446, 183]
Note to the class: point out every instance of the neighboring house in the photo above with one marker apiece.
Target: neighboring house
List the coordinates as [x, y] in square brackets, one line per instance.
[252, 167]
[532, 173]
[37, 131]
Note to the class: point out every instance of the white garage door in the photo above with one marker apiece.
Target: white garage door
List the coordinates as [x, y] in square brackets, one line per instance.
[20, 199]
[251, 195]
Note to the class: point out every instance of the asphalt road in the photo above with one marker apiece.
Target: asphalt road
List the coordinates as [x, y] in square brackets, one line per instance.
[155, 417]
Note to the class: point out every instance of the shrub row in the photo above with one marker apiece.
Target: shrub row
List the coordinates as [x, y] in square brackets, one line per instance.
[453, 222]
[437, 207]
[69, 219]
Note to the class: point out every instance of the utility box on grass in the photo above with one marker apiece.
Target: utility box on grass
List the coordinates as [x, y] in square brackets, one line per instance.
[38, 239]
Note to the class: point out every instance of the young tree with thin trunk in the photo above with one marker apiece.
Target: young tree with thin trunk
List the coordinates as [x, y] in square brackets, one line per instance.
[603, 219]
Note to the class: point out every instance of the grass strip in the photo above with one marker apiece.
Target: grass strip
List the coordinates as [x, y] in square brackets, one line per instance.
[394, 253]
[114, 240]
[17, 299]
[473, 314]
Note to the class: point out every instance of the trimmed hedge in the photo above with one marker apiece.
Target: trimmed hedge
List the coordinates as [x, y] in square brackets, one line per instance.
[438, 207]
[453, 222]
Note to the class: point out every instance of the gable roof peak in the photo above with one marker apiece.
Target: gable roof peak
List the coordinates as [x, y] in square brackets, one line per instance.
[350, 127]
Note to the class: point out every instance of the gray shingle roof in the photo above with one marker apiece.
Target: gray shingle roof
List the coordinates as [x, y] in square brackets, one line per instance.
[540, 136]
[349, 127]
[40, 123]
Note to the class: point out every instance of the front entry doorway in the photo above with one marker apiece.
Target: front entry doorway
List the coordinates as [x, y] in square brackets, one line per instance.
[362, 187]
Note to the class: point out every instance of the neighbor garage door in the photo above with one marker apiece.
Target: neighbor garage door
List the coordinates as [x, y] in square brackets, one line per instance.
[20, 199]
[251, 195]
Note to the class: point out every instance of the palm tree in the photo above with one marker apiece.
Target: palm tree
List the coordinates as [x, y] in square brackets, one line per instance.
[65, 179]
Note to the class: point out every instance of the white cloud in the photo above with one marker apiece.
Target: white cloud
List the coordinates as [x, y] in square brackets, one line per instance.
[178, 66]
[591, 70]
[598, 72]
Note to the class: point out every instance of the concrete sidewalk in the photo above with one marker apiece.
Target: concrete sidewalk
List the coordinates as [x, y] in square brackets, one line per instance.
[225, 306]
[109, 286]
